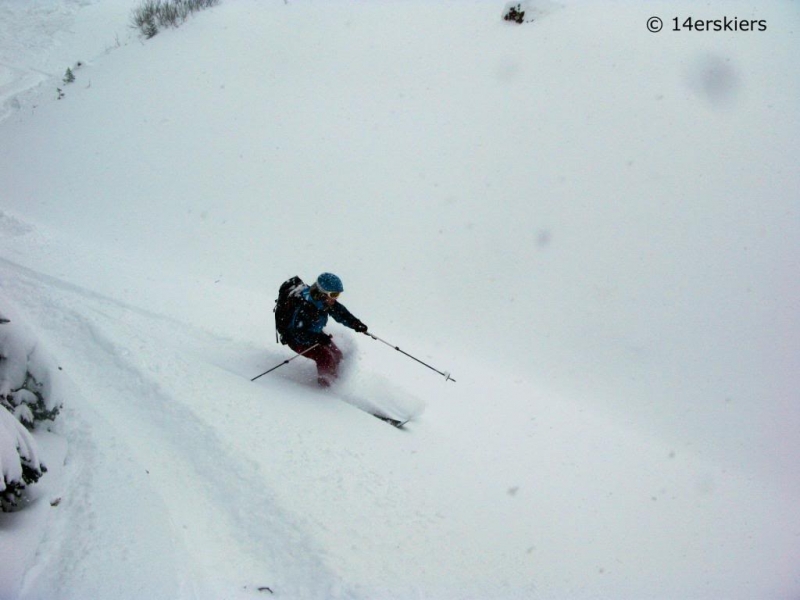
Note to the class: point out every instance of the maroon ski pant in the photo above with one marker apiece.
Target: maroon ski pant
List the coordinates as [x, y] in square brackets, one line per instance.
[327, 358]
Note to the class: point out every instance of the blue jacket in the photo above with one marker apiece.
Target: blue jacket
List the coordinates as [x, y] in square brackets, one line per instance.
[311, 316]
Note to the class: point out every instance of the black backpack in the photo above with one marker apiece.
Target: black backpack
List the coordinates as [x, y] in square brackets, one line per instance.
[286, 305]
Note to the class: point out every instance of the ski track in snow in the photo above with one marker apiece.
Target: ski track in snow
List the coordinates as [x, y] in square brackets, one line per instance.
[178, 437]
[170, 450]
[28, 30]
[42, 38]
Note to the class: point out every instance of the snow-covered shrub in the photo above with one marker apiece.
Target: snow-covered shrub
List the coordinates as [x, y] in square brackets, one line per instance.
[19, 462]
[526, 11]
[25, 401]
[23, 376]
[514, 12]
[153, 15]
[28, 403]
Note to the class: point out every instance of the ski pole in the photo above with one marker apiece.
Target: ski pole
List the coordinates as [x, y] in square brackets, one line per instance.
[286, 362]
[446, 375]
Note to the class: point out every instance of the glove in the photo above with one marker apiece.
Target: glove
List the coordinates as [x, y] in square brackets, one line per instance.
[324, 339]
[360, 327]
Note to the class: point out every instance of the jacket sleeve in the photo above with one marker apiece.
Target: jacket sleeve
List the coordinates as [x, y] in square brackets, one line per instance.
[341, 315]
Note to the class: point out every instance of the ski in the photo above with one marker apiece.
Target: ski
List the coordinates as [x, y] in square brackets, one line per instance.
[394, 422]
[398, 423]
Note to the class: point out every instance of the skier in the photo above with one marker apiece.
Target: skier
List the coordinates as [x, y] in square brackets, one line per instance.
[304, 333]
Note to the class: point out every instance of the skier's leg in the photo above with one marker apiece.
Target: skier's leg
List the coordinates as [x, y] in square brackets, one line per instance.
[327, 358]
[328, 361]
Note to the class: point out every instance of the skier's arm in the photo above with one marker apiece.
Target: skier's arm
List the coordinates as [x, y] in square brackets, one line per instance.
[341, 315]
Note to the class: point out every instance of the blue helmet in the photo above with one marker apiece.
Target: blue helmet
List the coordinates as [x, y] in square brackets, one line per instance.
[328, 282]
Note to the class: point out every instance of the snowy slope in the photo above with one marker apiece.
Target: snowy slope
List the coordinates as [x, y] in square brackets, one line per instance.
[593, 227]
